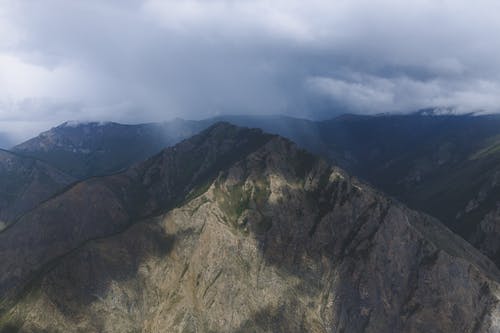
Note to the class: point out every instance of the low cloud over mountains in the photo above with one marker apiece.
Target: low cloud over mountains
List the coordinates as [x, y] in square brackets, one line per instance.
[104, 60]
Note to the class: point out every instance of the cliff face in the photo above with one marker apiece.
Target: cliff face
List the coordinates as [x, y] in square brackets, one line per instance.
[255, 235]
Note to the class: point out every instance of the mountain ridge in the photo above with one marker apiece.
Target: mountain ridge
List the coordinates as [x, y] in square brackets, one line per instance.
[276, 233]
[442, 164]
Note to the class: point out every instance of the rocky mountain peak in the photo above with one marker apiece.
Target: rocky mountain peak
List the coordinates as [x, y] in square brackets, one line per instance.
[234, 230]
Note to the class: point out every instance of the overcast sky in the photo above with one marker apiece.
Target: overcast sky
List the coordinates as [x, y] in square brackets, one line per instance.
[134, 61]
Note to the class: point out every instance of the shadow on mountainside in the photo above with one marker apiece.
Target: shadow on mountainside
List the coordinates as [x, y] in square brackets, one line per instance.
[386, 268]
[102, 207]
[365, 262]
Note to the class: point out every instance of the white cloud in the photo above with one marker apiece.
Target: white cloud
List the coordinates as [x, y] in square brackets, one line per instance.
[224, 18]
[195, 58]
[20, 79]
[403, 94]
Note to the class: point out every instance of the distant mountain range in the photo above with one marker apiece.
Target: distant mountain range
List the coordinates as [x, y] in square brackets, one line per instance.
[80, 198]
[445, 165]
[235, 230]
[90, 149]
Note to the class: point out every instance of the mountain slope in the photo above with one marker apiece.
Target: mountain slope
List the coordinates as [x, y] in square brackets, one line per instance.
[92, 149]
[26, 182]
[103, 206]
[264, 237]
[447, 166]
[444, 165]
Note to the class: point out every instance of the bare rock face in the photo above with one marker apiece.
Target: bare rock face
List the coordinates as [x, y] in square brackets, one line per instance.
[487, 234]
[100, 207]
[276, 241]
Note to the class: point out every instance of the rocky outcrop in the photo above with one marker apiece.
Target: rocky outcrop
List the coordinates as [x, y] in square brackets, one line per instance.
[487, 234]
[101, 207]
[256, 236]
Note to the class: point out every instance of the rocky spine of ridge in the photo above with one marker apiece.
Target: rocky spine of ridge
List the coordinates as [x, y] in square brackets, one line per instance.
[101, 207]
[275, 240]
[443, 164]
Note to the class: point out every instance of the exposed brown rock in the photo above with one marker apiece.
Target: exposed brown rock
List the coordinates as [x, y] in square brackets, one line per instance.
[278, 241]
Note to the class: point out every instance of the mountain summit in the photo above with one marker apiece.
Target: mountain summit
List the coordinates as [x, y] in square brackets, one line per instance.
[234, 230]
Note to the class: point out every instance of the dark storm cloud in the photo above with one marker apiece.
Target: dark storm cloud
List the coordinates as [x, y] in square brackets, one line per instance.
[148, 60]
